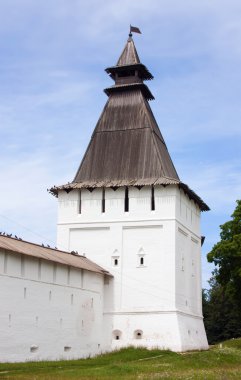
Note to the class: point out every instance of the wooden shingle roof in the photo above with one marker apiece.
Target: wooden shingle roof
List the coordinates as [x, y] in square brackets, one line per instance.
[49, 254]
[127, 147]
[127, 144]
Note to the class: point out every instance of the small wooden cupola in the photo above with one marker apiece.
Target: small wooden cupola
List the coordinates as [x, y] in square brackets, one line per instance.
[129, 73]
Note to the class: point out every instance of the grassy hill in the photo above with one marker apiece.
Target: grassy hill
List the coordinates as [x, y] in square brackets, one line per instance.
[222, 362]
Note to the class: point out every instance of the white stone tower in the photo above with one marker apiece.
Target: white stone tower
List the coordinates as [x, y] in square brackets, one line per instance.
[128, 211]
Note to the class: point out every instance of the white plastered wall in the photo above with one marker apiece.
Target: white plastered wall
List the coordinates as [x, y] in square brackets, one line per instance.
[150, 297]
[48, 311]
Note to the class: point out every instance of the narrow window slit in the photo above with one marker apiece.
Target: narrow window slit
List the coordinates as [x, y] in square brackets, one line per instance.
[152, 198]
[142, 261]
[126, 199]
[80, 202]
[103, 201]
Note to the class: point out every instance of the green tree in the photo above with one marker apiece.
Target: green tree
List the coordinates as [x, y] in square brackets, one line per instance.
[222, 316]
[222, 302]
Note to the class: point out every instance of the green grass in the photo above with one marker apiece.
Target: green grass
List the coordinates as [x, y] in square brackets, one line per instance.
[222, 363]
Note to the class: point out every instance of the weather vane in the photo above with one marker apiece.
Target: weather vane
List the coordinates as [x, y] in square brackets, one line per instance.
[134, 29]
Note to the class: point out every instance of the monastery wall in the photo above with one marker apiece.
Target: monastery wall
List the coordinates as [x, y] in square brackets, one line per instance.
[48, 311]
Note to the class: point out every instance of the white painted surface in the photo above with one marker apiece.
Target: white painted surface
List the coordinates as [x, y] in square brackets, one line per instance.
[51, 311]
[48, 311]
[162, 296]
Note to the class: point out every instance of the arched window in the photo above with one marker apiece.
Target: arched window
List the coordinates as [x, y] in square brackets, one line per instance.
[117, 334]
[115, 258]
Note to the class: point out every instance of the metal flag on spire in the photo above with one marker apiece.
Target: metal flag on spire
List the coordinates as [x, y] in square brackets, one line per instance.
[134, 29]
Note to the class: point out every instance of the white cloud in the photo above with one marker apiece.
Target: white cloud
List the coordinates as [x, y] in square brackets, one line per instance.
[219, 184]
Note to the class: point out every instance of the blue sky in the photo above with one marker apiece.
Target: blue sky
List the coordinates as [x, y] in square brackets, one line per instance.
[53, 56]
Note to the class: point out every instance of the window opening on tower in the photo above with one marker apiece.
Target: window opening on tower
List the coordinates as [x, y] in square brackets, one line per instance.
[103, 201]
[126, 73]
[152, 198]
[117, 334]
[138, 334]
[80, 202]
[126, 199]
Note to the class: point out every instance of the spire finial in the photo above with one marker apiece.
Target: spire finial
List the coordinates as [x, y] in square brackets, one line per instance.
[130, 34]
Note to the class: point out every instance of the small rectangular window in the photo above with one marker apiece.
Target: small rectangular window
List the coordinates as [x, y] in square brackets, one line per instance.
[103, 201]
[152, 198]
[126, 199]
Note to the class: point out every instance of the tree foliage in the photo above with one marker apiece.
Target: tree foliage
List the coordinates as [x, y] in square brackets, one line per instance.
[222, 303]
[222, 315]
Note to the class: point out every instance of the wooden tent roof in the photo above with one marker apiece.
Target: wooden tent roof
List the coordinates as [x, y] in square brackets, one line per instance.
[126, 144]
[127, 147]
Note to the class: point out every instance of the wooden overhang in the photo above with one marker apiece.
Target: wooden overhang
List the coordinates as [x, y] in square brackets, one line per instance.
[26, 248]
[143, 72]
[130, 87]
[131, 183]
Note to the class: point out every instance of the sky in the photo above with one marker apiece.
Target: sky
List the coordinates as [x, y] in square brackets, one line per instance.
[52, 60]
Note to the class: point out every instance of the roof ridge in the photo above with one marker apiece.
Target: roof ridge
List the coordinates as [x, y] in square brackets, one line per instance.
[160, 137]
[61, 257]
[91, 139]
[38, 245]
